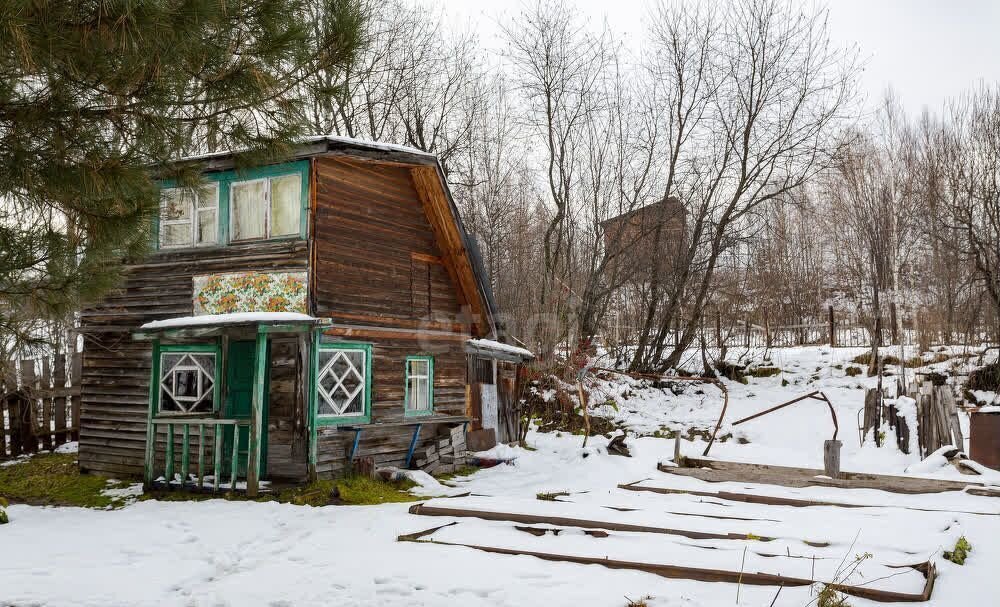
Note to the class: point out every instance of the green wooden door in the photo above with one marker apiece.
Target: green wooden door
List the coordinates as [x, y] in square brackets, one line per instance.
[240, 365]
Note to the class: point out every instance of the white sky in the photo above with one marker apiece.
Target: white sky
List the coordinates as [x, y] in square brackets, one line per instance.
[926, 50]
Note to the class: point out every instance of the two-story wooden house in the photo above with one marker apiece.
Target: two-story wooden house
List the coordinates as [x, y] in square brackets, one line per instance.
[291, 318]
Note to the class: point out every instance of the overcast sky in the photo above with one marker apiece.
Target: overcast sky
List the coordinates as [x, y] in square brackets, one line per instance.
[926, 50]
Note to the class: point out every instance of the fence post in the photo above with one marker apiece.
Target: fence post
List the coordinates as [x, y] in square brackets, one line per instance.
[767, 330]
[45, 382]
[718, 328]
[76, 375]
[59, 401]
[29, 439]
[833, 328]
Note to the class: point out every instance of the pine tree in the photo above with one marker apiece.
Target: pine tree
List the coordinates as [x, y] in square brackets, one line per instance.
[96, 96]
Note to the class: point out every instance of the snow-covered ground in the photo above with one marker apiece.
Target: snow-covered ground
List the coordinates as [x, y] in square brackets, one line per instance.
[239, 553]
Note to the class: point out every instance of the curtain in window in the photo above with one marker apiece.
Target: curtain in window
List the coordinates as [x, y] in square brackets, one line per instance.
[285, 202]
[418, 390]
[249, 209]
[206, 229]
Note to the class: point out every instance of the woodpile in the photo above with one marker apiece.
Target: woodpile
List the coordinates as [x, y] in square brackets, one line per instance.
[444, 455]
[936, 417]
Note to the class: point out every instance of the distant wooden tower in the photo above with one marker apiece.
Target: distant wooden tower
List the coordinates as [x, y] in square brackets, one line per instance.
[645, 240]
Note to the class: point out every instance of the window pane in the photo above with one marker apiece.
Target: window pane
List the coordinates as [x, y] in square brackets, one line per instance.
[187, 382]
[341, 383]
[175, 234]
[206, 227]
[175, 204]
[208, 196]
[418, 367]
[249, 209]
[285, 202]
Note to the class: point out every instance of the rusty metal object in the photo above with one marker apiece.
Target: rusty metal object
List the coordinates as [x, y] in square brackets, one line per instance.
[816, 394]
[984, 439]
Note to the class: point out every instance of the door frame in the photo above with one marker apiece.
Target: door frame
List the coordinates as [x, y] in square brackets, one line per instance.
[225, 406]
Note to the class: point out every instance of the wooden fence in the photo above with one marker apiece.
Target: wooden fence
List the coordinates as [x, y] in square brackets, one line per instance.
[39, 405]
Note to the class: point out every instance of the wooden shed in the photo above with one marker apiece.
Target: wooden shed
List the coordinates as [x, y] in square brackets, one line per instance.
[293, 318]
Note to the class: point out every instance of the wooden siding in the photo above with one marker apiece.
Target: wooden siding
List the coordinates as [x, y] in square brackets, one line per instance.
[369, 224]
[377, 266]
[115, 379]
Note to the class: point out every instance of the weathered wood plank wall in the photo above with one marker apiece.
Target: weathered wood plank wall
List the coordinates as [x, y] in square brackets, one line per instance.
[377, 265]
[115, 382]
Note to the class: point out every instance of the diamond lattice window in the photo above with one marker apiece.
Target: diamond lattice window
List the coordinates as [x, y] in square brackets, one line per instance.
[341, 384]
[187, 382]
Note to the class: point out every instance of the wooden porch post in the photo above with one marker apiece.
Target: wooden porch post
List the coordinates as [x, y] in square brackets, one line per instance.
[257, 415]
[154, 380]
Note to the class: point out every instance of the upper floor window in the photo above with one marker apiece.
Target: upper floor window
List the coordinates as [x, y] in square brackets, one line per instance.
[266, 208]
[189, 216]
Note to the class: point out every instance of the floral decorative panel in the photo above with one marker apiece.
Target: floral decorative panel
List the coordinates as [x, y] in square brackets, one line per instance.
[250, 292]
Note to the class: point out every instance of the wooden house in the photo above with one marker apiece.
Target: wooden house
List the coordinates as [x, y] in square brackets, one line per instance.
[294, 319]
[645, 240]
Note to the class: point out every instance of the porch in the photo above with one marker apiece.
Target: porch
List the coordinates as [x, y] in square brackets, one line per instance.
[209, 397]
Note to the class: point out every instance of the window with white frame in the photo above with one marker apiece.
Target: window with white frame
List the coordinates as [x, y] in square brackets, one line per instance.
[189, 216]
[419, 384]
[341, 382]
[187, 382]
[266, 208]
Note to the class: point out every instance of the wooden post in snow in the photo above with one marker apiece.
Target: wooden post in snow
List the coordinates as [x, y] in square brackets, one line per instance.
[831, 458]
[833, 328]
[256, 417]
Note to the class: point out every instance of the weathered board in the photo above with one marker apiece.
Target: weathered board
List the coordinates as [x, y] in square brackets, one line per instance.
[115, 379]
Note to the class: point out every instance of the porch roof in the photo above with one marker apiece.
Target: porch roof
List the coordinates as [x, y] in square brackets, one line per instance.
[498, 350]
[207, 325]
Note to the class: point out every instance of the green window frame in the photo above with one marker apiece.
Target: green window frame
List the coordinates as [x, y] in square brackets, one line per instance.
[415, 376]
[224, 181]
[328, 383]
[160, 351]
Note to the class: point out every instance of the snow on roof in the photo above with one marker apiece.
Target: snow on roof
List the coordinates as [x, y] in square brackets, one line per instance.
[367, 143]
[489, 344]
[235, 318]
[361, 143]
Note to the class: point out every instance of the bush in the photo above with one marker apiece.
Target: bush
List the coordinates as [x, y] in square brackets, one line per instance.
[731, 371]
[985, 378]
[960, 553]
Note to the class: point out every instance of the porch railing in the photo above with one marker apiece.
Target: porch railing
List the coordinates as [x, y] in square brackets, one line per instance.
[207, 432]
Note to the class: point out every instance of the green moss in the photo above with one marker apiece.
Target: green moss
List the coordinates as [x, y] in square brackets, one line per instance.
[54, 480]
[551, 497]
[463, 471]
[960, 552]
[361, 490]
